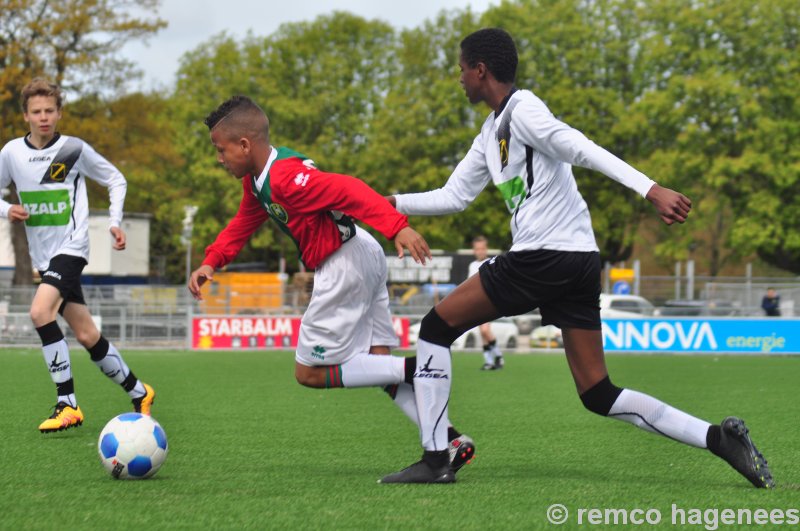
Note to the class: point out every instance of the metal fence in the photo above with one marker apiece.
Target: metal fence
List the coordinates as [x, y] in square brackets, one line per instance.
[130, 316]
[159, 316]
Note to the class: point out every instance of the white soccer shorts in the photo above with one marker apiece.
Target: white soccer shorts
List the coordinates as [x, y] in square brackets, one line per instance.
[349, 307]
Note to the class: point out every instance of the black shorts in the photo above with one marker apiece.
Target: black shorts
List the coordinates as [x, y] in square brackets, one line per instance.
[64, 273]
[565, 286]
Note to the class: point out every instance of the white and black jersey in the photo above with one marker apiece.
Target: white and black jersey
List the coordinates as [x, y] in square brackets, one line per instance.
[528, 154]
[51, 187]
[474, 266]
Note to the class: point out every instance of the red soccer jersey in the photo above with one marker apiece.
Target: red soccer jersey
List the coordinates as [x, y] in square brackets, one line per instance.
[311, 206]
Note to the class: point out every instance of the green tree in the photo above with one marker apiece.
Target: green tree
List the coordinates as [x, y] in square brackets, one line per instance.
[722, 78]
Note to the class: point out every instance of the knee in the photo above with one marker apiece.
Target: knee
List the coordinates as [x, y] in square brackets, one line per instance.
[41, 316]
[434, 329]
[313, 377]
[87, 338]
[600, 397]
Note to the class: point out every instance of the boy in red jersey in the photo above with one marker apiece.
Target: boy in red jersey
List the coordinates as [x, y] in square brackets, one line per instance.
[348, 319]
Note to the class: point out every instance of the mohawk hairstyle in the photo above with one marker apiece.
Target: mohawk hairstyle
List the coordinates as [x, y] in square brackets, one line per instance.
[242, 115]
[39, 86]
[495, 48]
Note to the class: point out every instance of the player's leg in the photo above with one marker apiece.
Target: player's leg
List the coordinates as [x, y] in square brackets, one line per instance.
[489, 343]
[337, 328]
[106, 356]
[467, 306]
[499, 362]
[730, 440]
[461, 447]
[360, 370]
[44, 308]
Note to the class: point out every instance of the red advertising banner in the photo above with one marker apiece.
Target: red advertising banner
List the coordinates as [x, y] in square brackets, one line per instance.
[234, 332]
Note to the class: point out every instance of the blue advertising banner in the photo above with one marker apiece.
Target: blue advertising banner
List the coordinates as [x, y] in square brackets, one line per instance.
[723, 335]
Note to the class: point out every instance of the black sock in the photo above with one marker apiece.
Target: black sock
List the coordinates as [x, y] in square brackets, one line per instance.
[99, 350]
[436, 459]
[452, 433]
[713, 439]
[66, 388]
[411, 368]
[492, 343]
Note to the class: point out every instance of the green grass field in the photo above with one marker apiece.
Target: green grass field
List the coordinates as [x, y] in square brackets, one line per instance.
[251, 449]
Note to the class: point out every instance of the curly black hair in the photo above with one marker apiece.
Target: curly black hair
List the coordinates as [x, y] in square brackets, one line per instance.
[495, 48]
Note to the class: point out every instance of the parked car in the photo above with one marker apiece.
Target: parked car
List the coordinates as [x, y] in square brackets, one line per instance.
[504, 329]
[548, 336]
[614, 306]
[688, 308]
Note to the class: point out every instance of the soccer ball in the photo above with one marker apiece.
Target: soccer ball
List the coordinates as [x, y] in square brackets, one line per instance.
[132, 446]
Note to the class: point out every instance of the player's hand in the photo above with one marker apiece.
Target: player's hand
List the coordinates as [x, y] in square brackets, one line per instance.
[392, 200]
[672, 206]
[17, 213]
[198, 278]
[119, 238]
[417, 247]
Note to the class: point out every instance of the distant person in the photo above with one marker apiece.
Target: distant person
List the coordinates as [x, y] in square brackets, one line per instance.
[49, 170]
[771, 303]
[553, 264]
[346, 333]
[492, 356]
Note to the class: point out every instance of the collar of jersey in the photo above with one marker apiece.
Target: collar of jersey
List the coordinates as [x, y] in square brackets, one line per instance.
[273, 154]
[505, 102]
[52, 141]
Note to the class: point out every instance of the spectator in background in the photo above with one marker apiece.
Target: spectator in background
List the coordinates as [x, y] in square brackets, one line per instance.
[492, 356]
[771, 303]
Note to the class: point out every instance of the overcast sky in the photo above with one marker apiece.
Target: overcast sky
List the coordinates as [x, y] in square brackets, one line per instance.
[191, 22]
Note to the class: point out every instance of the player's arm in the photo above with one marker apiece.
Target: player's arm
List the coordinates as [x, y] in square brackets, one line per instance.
[250, 216]
[14, 213]
[100, 170]
[535, 125]
[323, 191]
[465, 183]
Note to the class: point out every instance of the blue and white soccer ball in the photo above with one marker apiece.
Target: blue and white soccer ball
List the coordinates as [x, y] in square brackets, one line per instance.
[132, 446]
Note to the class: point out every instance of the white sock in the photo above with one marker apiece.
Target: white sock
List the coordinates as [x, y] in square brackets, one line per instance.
[404, 399]
[488, 356]
[655, 416]
[117, 370]
[369, 370]
[432, 392]
[56, 356]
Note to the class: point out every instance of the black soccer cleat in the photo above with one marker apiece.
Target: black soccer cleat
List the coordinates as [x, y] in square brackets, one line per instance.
[461, 451]
[736, 447]
[426, 470]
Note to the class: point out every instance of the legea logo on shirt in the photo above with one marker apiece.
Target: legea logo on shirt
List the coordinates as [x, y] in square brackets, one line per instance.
[47, 208]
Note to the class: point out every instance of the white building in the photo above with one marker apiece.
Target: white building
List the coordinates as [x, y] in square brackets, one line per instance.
[103, 259]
